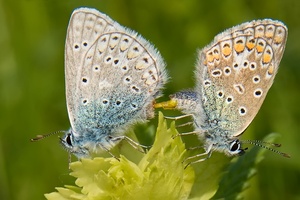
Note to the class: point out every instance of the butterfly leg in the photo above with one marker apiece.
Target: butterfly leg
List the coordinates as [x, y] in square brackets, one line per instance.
[185, 124]
[182, 117]
[186, 134]
[179, 117]
[133, 143]
[207, 153]
[194, 148]
[108, 151]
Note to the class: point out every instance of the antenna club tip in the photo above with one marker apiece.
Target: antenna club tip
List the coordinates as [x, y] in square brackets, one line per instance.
[286, 155]
[37, 138]
[276, 145]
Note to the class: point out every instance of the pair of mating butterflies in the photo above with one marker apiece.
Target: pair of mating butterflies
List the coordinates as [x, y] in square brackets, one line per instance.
[113, 76]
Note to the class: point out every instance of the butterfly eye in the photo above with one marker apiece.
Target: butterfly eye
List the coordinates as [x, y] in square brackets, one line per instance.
[68, 140]
[235, 146]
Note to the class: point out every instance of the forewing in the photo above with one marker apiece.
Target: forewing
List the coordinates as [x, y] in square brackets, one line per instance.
[85, 27]
[112, 74]
[236, 71]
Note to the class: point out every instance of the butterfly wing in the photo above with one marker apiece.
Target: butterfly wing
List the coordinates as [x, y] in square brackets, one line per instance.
[112, 74]
[236, 71]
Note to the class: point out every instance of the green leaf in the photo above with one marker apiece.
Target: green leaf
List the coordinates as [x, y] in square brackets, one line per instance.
[208, 174]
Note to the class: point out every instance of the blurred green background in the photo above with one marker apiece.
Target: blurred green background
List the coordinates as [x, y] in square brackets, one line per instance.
[32, 96]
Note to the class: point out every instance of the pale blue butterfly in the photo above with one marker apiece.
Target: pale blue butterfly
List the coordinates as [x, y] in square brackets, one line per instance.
[113, 76]
[233, 76]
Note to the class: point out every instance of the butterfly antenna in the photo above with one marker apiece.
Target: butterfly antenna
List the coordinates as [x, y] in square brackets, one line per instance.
[40, 137]
[263, 142]
[262, 145]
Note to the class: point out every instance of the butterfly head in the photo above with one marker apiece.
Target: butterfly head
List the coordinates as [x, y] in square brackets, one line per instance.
[235, 148]
[69, 142]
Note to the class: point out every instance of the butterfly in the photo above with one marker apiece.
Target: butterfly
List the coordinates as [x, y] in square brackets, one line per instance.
[233, 75]
[112, 77]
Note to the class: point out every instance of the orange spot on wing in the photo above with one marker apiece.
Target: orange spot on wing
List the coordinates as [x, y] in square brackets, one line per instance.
[217, 56]
[271, 70]
[226, 50]
[269, 34]
[266, 58]
[209, 57]
[250, 44]
[239, 47]
[259, 48]
[278, 39]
